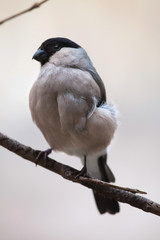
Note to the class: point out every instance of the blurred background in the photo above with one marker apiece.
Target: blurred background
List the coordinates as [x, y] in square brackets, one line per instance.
[122, 38]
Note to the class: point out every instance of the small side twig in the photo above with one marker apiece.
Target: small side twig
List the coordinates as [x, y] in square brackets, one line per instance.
[35, 5]
[132, 190]
[121, 194]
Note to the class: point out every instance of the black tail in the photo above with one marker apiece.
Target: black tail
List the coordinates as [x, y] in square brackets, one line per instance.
[105, 174]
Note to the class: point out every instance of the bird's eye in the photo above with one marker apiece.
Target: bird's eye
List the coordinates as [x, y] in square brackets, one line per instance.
[56, 47]
[53, 48]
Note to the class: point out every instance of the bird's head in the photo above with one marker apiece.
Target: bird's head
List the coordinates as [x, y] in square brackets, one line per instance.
[55, 45]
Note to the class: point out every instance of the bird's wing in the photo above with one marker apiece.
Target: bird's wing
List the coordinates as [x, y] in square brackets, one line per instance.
[100, 83]
[74, 110]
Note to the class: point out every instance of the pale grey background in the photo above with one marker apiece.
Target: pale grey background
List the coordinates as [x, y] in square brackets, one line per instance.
[122, 38]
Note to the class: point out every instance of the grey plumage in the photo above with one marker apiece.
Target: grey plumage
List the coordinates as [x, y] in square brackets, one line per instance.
[68, 104]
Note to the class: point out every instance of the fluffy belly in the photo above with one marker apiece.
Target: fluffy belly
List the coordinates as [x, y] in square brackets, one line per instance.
[94, 139]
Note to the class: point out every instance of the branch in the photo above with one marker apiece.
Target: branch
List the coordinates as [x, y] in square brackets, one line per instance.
[121, 194]
[35, 5]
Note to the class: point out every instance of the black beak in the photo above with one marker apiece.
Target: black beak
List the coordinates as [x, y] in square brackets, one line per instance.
[41, 56]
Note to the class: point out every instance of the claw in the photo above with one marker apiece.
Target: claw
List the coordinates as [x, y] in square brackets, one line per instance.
[83, 171]
[43, 154]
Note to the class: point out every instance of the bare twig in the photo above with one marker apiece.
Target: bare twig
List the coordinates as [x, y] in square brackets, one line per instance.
[121, 194]
[35, 5]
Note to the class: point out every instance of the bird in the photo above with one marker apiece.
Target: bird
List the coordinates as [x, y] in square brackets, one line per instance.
[68, 104]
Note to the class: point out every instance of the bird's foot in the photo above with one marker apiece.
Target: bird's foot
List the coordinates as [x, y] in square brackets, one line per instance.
[81, 173]
[43, 154]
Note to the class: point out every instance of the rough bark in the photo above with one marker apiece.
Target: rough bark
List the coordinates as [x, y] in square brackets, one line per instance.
[121, 194]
